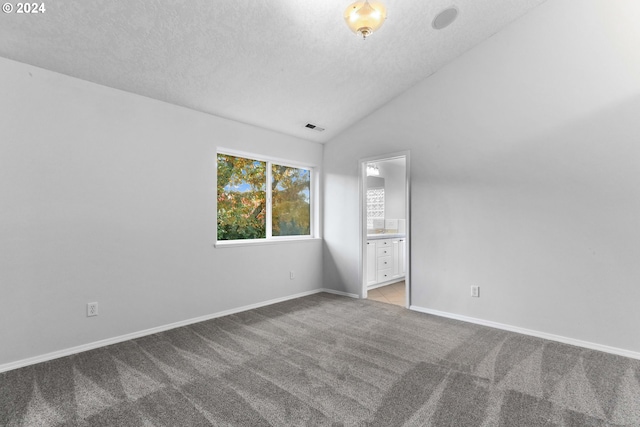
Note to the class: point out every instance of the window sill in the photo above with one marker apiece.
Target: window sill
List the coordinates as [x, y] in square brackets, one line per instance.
[259, 242]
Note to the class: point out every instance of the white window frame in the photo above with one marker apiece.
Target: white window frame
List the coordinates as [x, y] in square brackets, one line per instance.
[270, 239]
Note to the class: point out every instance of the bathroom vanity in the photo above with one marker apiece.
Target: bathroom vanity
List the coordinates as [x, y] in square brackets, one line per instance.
[385, 259]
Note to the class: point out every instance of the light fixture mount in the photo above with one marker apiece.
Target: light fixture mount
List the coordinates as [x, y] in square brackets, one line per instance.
[365, 17]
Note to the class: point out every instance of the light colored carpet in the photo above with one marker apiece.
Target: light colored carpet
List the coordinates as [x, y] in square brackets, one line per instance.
[327, 360]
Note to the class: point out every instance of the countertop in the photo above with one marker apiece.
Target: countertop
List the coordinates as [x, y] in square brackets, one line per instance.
[385, 236]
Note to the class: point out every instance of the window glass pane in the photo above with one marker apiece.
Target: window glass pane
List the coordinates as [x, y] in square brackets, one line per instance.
[375, 205]
[291, 211]
[241, 198]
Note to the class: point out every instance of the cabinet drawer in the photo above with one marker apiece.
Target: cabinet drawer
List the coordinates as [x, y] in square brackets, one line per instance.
[384, 275]
[384, 262]
[384, 251]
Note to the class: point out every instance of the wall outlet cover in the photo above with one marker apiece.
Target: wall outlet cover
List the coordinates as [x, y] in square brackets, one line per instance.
[92, 309]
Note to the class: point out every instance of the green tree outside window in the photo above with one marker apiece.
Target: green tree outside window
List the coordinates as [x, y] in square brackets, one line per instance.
[242, 199]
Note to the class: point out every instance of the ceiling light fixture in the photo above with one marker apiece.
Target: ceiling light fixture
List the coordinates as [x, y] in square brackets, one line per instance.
[364, 18]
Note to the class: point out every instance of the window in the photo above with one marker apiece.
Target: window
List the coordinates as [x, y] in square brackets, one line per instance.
[375, 206]
[260, 199]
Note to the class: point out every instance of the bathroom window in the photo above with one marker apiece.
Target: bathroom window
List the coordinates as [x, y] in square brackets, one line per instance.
[375, 205]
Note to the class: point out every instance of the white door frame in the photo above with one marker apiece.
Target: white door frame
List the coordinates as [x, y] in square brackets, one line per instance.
[363, 220]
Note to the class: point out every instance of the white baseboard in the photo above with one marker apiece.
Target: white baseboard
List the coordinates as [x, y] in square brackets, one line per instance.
[551, 337]
[344, 294]
[109, 341]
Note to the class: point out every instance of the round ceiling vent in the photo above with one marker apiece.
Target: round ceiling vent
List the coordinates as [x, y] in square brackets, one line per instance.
[445, 18]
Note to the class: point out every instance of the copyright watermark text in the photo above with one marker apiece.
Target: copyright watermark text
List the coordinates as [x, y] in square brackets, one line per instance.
[29, 8]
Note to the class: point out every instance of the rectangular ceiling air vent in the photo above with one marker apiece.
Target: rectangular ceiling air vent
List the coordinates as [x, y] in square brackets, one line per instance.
[314, 127]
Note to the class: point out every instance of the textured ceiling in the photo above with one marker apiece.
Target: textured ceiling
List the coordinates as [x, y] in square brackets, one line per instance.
[276, 64]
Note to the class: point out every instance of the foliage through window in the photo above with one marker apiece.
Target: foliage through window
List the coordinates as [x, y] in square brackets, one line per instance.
[249, 209]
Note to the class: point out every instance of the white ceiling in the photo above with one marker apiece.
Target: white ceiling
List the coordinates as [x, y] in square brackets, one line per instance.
[275, 64]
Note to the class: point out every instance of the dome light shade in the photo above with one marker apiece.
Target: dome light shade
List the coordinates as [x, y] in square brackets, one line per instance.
[364, 17]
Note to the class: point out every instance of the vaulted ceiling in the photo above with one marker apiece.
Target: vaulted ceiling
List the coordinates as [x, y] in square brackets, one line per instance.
[276, 64]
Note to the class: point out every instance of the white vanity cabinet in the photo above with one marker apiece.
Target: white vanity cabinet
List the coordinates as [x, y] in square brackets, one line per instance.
[371, 262]
[385, 260]
[402, 255]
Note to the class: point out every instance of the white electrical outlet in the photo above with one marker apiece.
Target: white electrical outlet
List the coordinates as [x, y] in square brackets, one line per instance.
[92, 309]
[475, 291]
[292, 275]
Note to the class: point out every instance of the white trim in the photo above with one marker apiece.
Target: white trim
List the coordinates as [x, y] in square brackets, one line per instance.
[269, 161]
[269, 202]
[344, 294]
[109, 341]
[257, 242]
[544, 335]
[362, 256]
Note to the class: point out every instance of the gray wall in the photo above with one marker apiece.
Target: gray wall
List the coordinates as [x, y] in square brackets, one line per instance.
[110, 197]
[524, 160]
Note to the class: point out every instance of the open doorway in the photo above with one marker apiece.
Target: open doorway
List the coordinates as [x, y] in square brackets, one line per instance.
[385, 228]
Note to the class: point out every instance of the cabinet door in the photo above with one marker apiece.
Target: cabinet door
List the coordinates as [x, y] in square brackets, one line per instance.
[395, 253]
[402, 257]
[371, 263]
